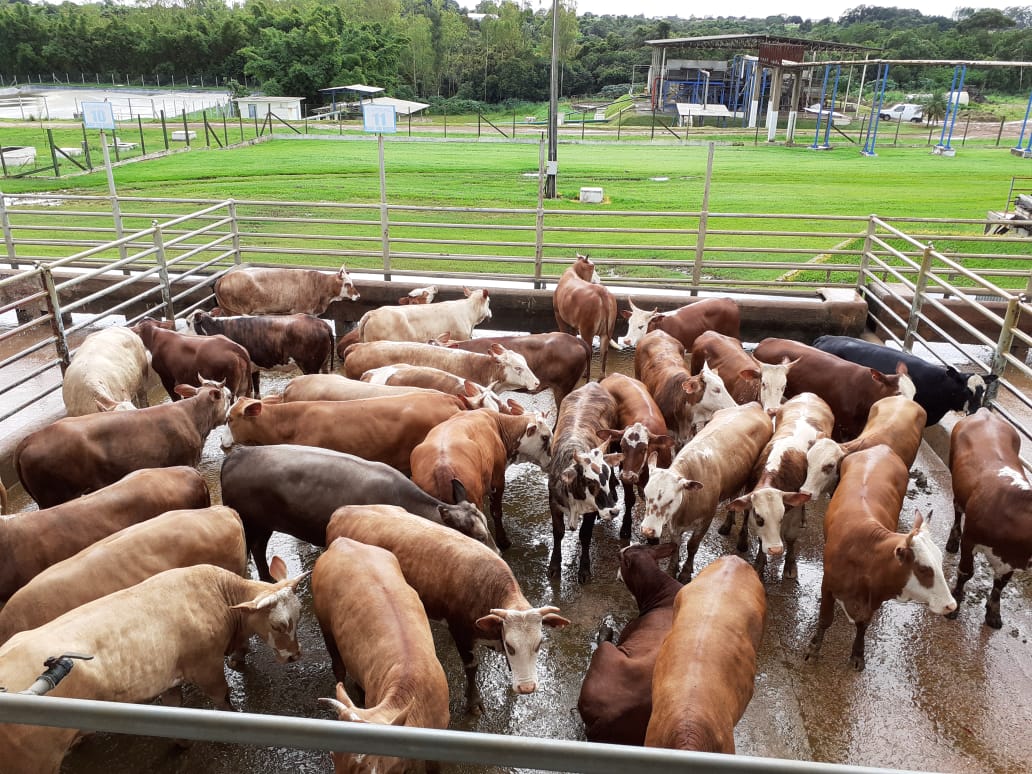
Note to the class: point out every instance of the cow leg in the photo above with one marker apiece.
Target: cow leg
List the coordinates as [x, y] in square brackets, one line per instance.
[586, 528]
[258, 543]
[729, 522]
[501, 538]
[965, 569]
[760, 562]
[603, 348]
[824, 619]
[790, 571]
[856, 657]
[170, 387]
[210, 677]
[558, 531]
[464, 644]
[628, 513]
[953, 544]
[142, 401]
[685, 575]
[256, 377]
[743, 534]
[992, 606]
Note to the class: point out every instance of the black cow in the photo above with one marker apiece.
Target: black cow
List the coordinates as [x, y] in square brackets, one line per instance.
[939, 388]
[295, 489]
[273, 340]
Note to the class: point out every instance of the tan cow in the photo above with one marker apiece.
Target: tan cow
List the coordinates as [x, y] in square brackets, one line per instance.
[746, 378]
[713, 466]
[585, 307]
[379, 429]
[462, 582]
[425, 377]
[474, 448]
[706, 667]
[505, 369]
[423, 322]
[249, 290]
[866, 562]
[76, 455]
[337, 387]
[171, 629]
[108, 371]
[30, 542]
[377, 632]
[174, 539]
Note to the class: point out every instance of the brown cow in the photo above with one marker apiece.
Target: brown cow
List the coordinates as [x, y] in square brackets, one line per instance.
[473, 449]
[379, 429]
[425, 377]
[270, 341]
[992, 499]
[686, 401]
[583, 306]
[461, 582]
[377, 632]
[867, 562]
[249, 290]
[684, 324]
[558, 360]
[337, 387]
[706, 666]
[777, 479]
[76, 455]
[419, 296]
[713, 466]
[173, 628]
[508, 370]
[745, 377]
[32, 541]
[849, 389]
[640, 430]
[616, 697]
[177, 538]
[180, 359]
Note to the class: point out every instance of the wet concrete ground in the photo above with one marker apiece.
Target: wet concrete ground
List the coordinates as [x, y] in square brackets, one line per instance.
[936, 695]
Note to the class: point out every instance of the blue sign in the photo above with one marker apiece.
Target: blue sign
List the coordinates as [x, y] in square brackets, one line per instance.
[98, 115]
[380, 119]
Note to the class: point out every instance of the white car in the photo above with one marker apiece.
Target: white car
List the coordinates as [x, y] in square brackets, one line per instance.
[903, 111]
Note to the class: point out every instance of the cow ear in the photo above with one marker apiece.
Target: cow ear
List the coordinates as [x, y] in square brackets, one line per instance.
[496, 349]
[901, 368]
[877, 375]
[904, 554]
[624, 313]
[652, 459]
[990, 378]
[609, 434]
[568, 476]
[467, 292]
[185, 390]
[751, 374]
[555, 621]
[692, 385]
[515, 408]
[484, 291]
[741, 504]
[278, 568]
[491, 625]
[404, 301]
[470, 389]
[253, 409]
[458, 491]
[689, 485]
[661, 442]
[796, 498]
[613, 459]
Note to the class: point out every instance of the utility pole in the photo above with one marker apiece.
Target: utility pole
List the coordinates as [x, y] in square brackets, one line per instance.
[552, 166]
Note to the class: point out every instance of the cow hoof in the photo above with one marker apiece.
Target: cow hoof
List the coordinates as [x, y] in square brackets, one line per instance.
[952, 545]
[625, 533]
[606, 633]
[811, 652]
[583, 575]
[857, 662]
[993, 620]
[475, 709]
[953, 616]
[724, 529]
[504, 544]
[236, 662]
[791, 572]
[554, 571]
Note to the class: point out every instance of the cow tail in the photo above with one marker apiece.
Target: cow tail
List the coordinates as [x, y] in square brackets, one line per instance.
[333, 344]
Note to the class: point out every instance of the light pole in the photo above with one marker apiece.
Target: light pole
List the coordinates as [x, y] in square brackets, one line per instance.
[552, 165]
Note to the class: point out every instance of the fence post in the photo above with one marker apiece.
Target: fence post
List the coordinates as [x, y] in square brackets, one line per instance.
[186, 129]
[86, 148]
[5, 226]
[998, 361]
[56, 323]
[861, 275]
[235, 226]
[539, 222]
[53, 153]
[919, 293]
[164, 129]
[143, 143]
[385, 227]
[166, 289]
[700, 242]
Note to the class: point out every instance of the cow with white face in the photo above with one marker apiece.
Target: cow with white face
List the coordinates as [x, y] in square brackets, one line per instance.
[822, 468]
[714, 465]
[425, 322]
[711, 396]
[770, 505]
[746, 378]
[684, 324]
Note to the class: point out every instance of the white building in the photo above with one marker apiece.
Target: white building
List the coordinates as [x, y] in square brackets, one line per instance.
[287, 108]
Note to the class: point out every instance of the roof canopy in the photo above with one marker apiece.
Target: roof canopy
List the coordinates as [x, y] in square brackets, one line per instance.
[402, 107]
[754, 42]
[361, 88]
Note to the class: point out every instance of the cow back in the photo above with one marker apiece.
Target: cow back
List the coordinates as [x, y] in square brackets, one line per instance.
[689, 322]
[276, 291]
[896, 421]
[336, 387]
[110, 365]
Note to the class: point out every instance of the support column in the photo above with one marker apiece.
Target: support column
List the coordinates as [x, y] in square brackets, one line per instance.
[793, 111]
[754, 94]
[773, 104]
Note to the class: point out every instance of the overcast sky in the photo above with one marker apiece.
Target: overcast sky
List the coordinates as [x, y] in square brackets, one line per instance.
[807, 9]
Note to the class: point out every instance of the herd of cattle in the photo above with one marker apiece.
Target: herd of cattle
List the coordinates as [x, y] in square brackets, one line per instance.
[389, 466]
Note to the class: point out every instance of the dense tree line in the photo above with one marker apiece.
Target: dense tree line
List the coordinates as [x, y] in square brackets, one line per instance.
[433, 49]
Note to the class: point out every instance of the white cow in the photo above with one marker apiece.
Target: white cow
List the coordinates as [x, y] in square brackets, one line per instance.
[109, 369]
[425, 322]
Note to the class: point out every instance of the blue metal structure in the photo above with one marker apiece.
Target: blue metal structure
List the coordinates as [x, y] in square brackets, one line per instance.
[876, 106]
[831, 110]
[952, 108]
[1027, 150]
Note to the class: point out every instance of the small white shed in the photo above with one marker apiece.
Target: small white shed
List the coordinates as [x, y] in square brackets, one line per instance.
[287, 108]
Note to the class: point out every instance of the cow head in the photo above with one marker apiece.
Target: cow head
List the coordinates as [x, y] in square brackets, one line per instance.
[195, 322]
[465, 517]
[898, 383]
[706, 396]
[346, 289]
[104, 403]
[519, 634]
[639, 565]
[975, 386]
[366, 763]
[822, 467]
[773, 379]
[585, 269]
[419, 296]
[515, 373]
[273, 613]
[635, 444]
[480, 304]
[536, 442]
[215, 396]
[589, 484]
[241, 413]
[664, 497]
[637, 323]
[925, 582]
[768, 512]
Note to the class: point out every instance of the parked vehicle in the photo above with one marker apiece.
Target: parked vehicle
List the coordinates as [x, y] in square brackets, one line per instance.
[903, 111]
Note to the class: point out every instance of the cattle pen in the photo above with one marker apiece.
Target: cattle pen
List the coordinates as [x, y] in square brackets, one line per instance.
[937, 695]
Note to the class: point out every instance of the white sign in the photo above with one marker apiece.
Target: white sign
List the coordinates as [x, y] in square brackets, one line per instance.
[379, 118]
[98, 115]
